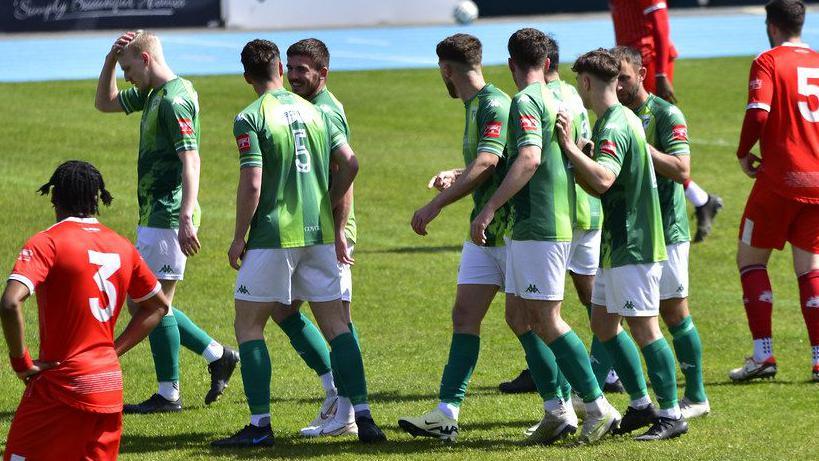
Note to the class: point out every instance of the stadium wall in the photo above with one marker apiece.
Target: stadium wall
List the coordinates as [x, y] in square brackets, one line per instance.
[287, 14]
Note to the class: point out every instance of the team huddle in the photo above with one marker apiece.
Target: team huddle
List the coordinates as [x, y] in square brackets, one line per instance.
[551, 194]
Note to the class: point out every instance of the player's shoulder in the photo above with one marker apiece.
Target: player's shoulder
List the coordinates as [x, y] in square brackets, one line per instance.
[665, 110]
[492, 99]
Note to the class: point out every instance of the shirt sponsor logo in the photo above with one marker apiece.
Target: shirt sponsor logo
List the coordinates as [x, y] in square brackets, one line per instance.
[679, 133]
[492, 130]
[243, 142]
[185, 126]
[25, 255]
[529, 123]
[608, 147]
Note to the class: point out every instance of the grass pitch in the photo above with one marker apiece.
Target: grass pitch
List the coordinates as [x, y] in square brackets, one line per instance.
[404, 129]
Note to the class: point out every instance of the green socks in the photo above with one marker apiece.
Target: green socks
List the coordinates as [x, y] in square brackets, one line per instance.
[306, 339]
[463, 356]
[662, 372]
[341, 392]
[542, 365]
[599, 357]
[573, 360]
[626, 360]
[190, 335]
[164, 341]
[256, 370]
[688, 348]
[346, 354]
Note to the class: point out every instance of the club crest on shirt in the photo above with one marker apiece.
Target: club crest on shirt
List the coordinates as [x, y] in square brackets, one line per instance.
[608, 147]
[679, 133]
[25, 255]
[243, 142]
[185, 126]
[528, 123]
[492, 130]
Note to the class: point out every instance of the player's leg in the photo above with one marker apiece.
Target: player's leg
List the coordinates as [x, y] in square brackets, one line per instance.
[518, 322]
[764, 226]
[317, 280]
[105, 433]
[706, 207]
[805, 246]
[686, 338]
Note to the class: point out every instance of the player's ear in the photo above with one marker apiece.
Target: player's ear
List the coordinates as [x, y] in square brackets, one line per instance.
[281, 69]
[323, 72]
[546, 64]
[146, 58]
[642, 73]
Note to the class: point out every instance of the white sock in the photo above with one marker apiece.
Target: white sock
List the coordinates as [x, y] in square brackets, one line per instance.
[260, 420]
[552, 405]
[213, 352]
[612, 377]
[328, 384]
[815, 355]
[673, 413]
[642, 402]
[345, 409]
[763, 349]
[169, 390]
[695, 194]
[596, 407]
[361, 409]
[450, 410]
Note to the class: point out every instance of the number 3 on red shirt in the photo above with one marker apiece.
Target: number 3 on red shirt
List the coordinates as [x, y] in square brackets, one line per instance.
[804, 74]
[109, 263]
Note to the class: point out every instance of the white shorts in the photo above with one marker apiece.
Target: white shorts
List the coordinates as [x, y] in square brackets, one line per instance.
[346, 276]
[160, 249]
[584, 256]
[536, 270]
[482, 265]
[674, 281]
[629, 291]
[283, 275]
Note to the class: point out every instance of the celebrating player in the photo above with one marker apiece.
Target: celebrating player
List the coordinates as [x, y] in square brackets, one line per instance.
[481, 272]
[667, 135]
[80, 271]
[644, 25]
[539, 186]
[783, 206]
[168, 175]
[627, 283]
[284, 236]
[308, 63]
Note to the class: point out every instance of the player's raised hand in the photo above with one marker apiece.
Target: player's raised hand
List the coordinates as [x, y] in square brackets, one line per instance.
[343, 251]
[188, 240]
[236, 252]
[665, 89]
[480, 224]
[442, 180]
[123, 40]
[750, 164]
[424, 216]
[563, 126]
[39, 366]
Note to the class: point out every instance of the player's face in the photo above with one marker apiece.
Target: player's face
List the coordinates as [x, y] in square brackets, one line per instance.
[135, 69]
[303, 75]
[628, 84]
[446, 71]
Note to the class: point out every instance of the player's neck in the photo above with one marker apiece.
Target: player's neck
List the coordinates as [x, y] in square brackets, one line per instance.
[604, 101]
[530, 76]
[791, 40]
[640, 99]
[469, 86]
[552, 76]
[264, 87]
[162, 75]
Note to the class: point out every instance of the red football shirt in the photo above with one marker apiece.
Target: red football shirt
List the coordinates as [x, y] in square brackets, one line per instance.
[631, 26]
[785, 82]
[81, 272]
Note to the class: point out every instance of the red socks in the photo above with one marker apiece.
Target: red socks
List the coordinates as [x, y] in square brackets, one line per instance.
[758, 299]
[809, 297]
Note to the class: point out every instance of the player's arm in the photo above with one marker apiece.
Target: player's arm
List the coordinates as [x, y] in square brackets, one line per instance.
[445, 178]
[592, 176]
[760, 95]
[341, 193]
[478, 171]
[674, 160]
[657, 15]
[107, 98]
[250, 185]
[675, 167]
[147, 316]
[188, 240]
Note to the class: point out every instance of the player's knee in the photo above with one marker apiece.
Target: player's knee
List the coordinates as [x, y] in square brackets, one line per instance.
[465, 319]
[517, 321]
[673, 311]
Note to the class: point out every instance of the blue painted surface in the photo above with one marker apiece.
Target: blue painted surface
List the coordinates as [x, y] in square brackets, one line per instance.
[208, 52]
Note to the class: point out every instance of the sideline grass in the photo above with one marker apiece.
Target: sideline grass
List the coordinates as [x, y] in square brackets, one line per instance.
[404, 129]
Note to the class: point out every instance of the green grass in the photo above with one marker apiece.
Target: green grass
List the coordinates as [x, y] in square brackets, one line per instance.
[405, 128]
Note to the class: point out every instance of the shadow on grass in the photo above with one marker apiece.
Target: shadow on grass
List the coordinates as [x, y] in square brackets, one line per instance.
[164, 442]
[388, 396]
[6, 415]
[419, 249]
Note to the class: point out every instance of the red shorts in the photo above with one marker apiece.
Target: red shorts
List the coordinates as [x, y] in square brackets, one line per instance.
[45, 429]
[770, 220]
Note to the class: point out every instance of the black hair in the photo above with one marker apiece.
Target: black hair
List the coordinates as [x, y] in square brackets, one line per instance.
[76, 187]
[259, 58]
[788, 15]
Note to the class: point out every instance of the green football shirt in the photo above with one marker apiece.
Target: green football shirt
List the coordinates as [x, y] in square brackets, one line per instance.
[290, 139]
[633, 227]
[487, 118]
[667, 131]
[331, 106]
[169, 126]
[544, 208]
[588, 211]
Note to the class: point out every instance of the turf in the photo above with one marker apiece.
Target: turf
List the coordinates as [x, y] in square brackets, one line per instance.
[404, 129]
